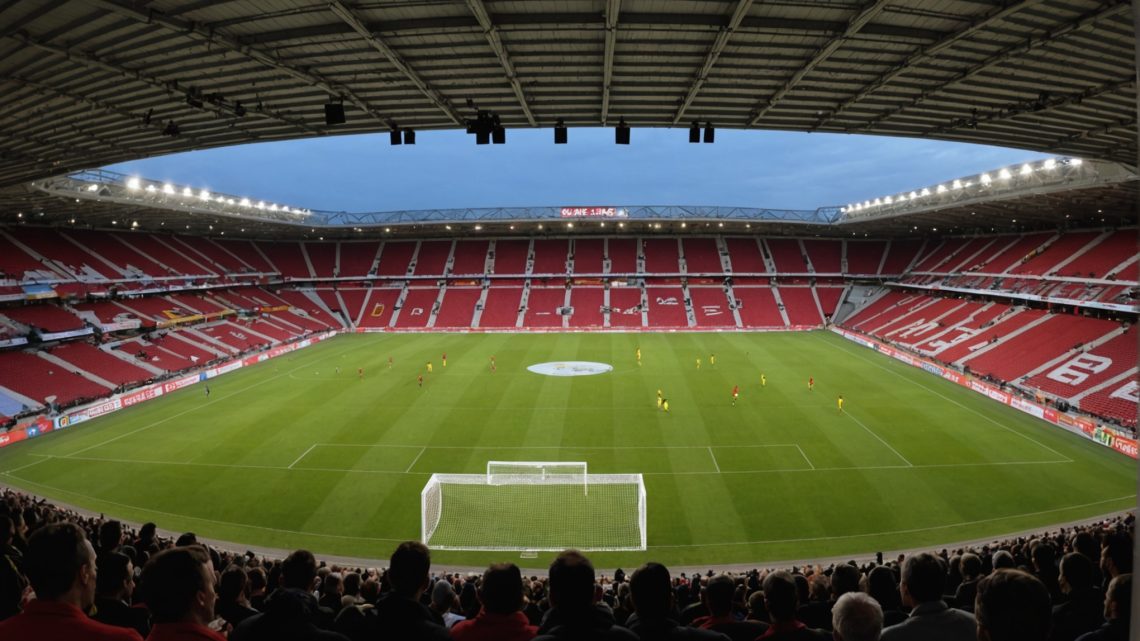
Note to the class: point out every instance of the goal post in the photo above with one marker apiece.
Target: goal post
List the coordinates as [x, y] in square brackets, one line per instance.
[538, 473]
[532, 509]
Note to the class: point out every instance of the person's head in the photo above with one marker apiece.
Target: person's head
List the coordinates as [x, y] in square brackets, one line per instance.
[756, 608]
[856, 617]
[1044, 557]
[60, 564]
[299, 570]
[178, 586]
[1003, 560]
[1116, 555]
[443, 596]
[351, 584]
[1118, 599]
[186, 539]
[370, 590]
[110, 536]
[923, 579]
[233, 585]
[882, 587]
[652, 592]
[147, 532]
[844, 579]
[408, 569]
[258, 582]
[718, 595]
[971, 566]
[501, 591]
[1076, 573]
[571, 581]
[333, 584]
[780, 596]
[1012, 605]
[116, 576]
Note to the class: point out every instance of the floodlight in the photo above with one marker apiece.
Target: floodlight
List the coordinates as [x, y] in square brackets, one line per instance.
[334, 113]
[1026, 170]
[133, 183]
[205, 195]
[92, 187]
[1050, 164]
[187, 192]
[245, 202]
[986, 179]
[1076, 162]
[151, 188]
[957, 184]
[621, 133]
[1004, 174]
[168, 189]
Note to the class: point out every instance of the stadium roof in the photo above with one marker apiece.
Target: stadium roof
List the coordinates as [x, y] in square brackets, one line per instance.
[92, 82]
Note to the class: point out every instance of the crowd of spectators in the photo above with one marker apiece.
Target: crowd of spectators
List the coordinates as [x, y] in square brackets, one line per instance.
[64, 575]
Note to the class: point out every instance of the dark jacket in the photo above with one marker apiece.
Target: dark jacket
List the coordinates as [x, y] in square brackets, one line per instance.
[115, 612]
[1083, 612]
[744, 630]
[403, 619]
[1115, 630]
[670, 630]
[290, 615]
[595, 624]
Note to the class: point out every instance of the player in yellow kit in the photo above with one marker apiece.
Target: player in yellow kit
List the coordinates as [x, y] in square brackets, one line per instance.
[698, 363]
[712, 360]
[638, 356]
[429, 367]
[665, 405]
[839, 402]
[660, 397]
[763, 381]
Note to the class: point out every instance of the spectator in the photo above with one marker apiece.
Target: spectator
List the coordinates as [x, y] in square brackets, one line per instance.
[233, 600]
[178, 588]
[500, 617]
[110, 537]
[757, 611]
[332, 588]
[1044, 557]
[781, 598]
[717, 598]
[573, 616]
[258, 588]
[1083, 611]
[114, 588]
[653, 601]
[856, 617]
[12, 579]
[291, 611]
[60, 565]
[1117, 611]
[923, 579]
[1116, 555]
[400, 615]
[443, 603]
[816, 612]
[882, 587]
[1003, 560]
[1012, 606]
[971, 567]
[351, 587]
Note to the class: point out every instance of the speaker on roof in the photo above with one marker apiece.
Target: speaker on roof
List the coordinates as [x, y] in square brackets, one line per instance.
[334, 113]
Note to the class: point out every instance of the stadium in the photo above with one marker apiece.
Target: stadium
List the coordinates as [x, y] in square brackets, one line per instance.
[947, 367]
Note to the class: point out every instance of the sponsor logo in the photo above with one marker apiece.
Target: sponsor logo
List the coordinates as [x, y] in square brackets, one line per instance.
[711, 310]
[671, 300]
[932, 368]
[570, 368]
[589, 212]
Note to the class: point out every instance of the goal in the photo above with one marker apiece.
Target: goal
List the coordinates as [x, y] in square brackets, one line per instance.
[534, 506]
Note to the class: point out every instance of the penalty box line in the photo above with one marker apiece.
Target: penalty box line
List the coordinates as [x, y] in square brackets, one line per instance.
[424, 448]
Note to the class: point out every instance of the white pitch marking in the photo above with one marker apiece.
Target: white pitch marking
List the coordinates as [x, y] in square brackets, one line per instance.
[303, 455]
[805, 457]
[860, 423]
[415, 460]
[715, 464]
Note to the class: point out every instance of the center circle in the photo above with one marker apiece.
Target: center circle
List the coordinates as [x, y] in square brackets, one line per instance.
[570, 368]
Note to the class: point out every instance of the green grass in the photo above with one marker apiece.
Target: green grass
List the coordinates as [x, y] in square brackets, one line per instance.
[281, 455]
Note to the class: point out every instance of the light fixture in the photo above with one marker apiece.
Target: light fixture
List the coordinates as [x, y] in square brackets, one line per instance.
[560, 133]
[1050, 163]
[204, 195]
[1026, 170]
[1004, 174]
[133, 183]
[187, 192]
[985, 178]
[621, 133]
[334, 113]
[695, 132]
[710, 133]
[394, 137]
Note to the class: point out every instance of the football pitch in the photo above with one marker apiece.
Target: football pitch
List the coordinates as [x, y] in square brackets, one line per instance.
[300, 451]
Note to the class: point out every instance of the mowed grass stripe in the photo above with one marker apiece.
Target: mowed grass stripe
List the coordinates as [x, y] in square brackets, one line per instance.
[858, 498]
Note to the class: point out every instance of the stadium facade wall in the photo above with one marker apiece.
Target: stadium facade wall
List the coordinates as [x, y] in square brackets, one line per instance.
[1105, 435]
[43, 425]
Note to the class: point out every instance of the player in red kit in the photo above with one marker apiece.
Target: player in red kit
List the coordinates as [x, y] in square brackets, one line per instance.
[735, 394]
[360, 373]
[420, 380]
[811, 383]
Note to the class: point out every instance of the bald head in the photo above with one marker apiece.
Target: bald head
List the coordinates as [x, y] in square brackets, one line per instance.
[857, 617]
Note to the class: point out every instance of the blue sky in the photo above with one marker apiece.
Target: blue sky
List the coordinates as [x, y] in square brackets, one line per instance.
[445, 169]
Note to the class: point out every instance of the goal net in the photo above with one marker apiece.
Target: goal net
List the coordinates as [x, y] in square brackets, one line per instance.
[515, 509]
